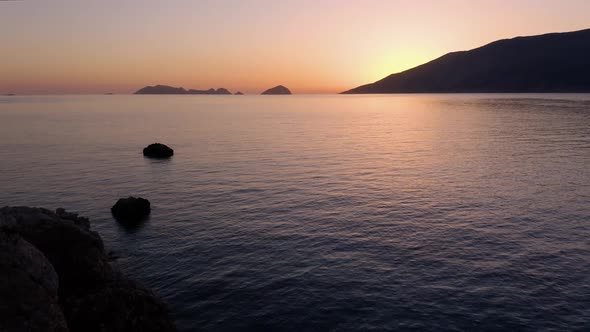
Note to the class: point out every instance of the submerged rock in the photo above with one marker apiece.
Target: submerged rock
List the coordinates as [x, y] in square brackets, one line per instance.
[131, 209]
[55, 276]
[158, 150]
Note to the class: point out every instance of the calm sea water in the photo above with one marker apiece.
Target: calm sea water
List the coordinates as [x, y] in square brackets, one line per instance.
[327, 213]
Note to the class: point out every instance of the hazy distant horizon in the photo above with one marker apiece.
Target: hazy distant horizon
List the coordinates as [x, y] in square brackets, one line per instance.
[310, 47]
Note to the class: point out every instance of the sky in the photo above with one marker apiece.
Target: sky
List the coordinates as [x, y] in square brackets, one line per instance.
[319, 46]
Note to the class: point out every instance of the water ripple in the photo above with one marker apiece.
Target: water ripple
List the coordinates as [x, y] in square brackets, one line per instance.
[328, 213]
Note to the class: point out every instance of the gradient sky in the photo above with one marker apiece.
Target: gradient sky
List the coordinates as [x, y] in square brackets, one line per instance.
[314, 46]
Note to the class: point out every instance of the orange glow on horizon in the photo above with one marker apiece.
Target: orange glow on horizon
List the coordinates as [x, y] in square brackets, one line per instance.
[308, 46]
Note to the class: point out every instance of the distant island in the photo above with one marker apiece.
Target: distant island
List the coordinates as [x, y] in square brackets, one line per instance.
[556, 62]
[277, 90]
[169, 90]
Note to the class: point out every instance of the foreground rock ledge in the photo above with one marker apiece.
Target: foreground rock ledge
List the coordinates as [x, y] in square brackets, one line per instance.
[55, 276]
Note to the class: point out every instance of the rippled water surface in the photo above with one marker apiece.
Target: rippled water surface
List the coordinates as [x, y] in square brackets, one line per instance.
[328, 213]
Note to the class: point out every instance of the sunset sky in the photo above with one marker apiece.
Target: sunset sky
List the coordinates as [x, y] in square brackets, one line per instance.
[309, 46]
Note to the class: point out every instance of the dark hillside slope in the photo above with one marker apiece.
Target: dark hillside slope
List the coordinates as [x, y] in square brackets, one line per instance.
[557, 62]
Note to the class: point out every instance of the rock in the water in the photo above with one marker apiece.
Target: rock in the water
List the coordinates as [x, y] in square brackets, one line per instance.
[53, 266]
[158, 150]
[239, 93]
[277, 90]
[131, 209]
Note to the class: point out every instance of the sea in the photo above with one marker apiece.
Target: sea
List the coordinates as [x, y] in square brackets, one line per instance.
[415, 212]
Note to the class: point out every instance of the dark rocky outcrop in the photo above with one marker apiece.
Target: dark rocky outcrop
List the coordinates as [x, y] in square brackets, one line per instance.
[55, 276]
[557, 62]
[161, 90]
[201, 92]
[28, 288]
[158, 150]
[277, 90]
[239, 93]
[131, 210]
[222, 91]
[169, 90]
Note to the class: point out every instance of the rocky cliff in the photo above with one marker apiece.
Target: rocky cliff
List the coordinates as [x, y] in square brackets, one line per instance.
[55, 275]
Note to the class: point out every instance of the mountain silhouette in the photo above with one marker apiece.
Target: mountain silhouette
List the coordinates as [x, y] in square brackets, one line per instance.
[277, 90]
[556, 62]
[168, 90]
